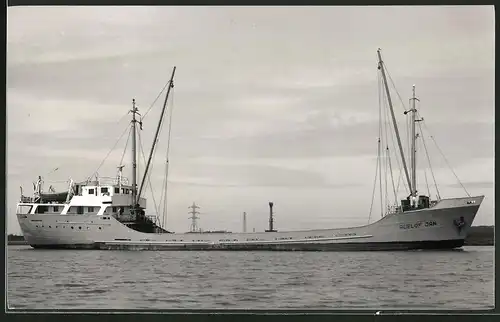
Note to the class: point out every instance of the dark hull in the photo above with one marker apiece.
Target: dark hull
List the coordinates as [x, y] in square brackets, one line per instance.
[375, 246]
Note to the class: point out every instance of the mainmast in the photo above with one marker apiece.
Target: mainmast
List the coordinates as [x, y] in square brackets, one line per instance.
[414, 136]
[155, 140]
[134, 153]
[381, 67]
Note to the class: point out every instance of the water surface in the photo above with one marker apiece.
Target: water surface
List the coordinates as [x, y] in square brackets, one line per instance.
[81, 279]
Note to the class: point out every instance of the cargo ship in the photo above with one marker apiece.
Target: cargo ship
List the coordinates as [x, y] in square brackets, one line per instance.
[110, 213]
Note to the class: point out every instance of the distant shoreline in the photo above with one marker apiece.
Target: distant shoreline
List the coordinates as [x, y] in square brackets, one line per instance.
[16, 242]
[478, 236]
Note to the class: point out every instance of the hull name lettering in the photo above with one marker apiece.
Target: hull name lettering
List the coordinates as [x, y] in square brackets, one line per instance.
[418, 224]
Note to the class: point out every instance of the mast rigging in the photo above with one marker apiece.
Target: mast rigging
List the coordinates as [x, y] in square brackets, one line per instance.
[167, 164]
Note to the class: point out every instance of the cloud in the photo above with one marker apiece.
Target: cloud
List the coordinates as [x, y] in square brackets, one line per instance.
[63, 39]
[480, 185]
[55, 115]
[264, 175]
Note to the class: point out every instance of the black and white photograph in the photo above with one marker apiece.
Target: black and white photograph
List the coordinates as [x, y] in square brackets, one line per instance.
[250, 158]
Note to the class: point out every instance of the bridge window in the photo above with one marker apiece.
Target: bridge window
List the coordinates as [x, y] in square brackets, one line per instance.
[75, 209]
[41, 209]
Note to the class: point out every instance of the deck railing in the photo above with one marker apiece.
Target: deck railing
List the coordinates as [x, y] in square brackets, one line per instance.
[113, 181]
[392, 209]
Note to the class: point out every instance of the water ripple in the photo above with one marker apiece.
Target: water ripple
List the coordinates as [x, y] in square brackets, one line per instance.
[249, 280]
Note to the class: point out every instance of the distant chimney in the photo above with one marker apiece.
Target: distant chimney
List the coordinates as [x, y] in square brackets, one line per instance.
[271, 220]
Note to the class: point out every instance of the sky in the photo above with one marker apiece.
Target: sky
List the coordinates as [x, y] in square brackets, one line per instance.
[270, 104]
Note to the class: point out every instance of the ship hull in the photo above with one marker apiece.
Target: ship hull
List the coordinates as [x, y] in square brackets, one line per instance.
[431, 228]
[336, 247]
